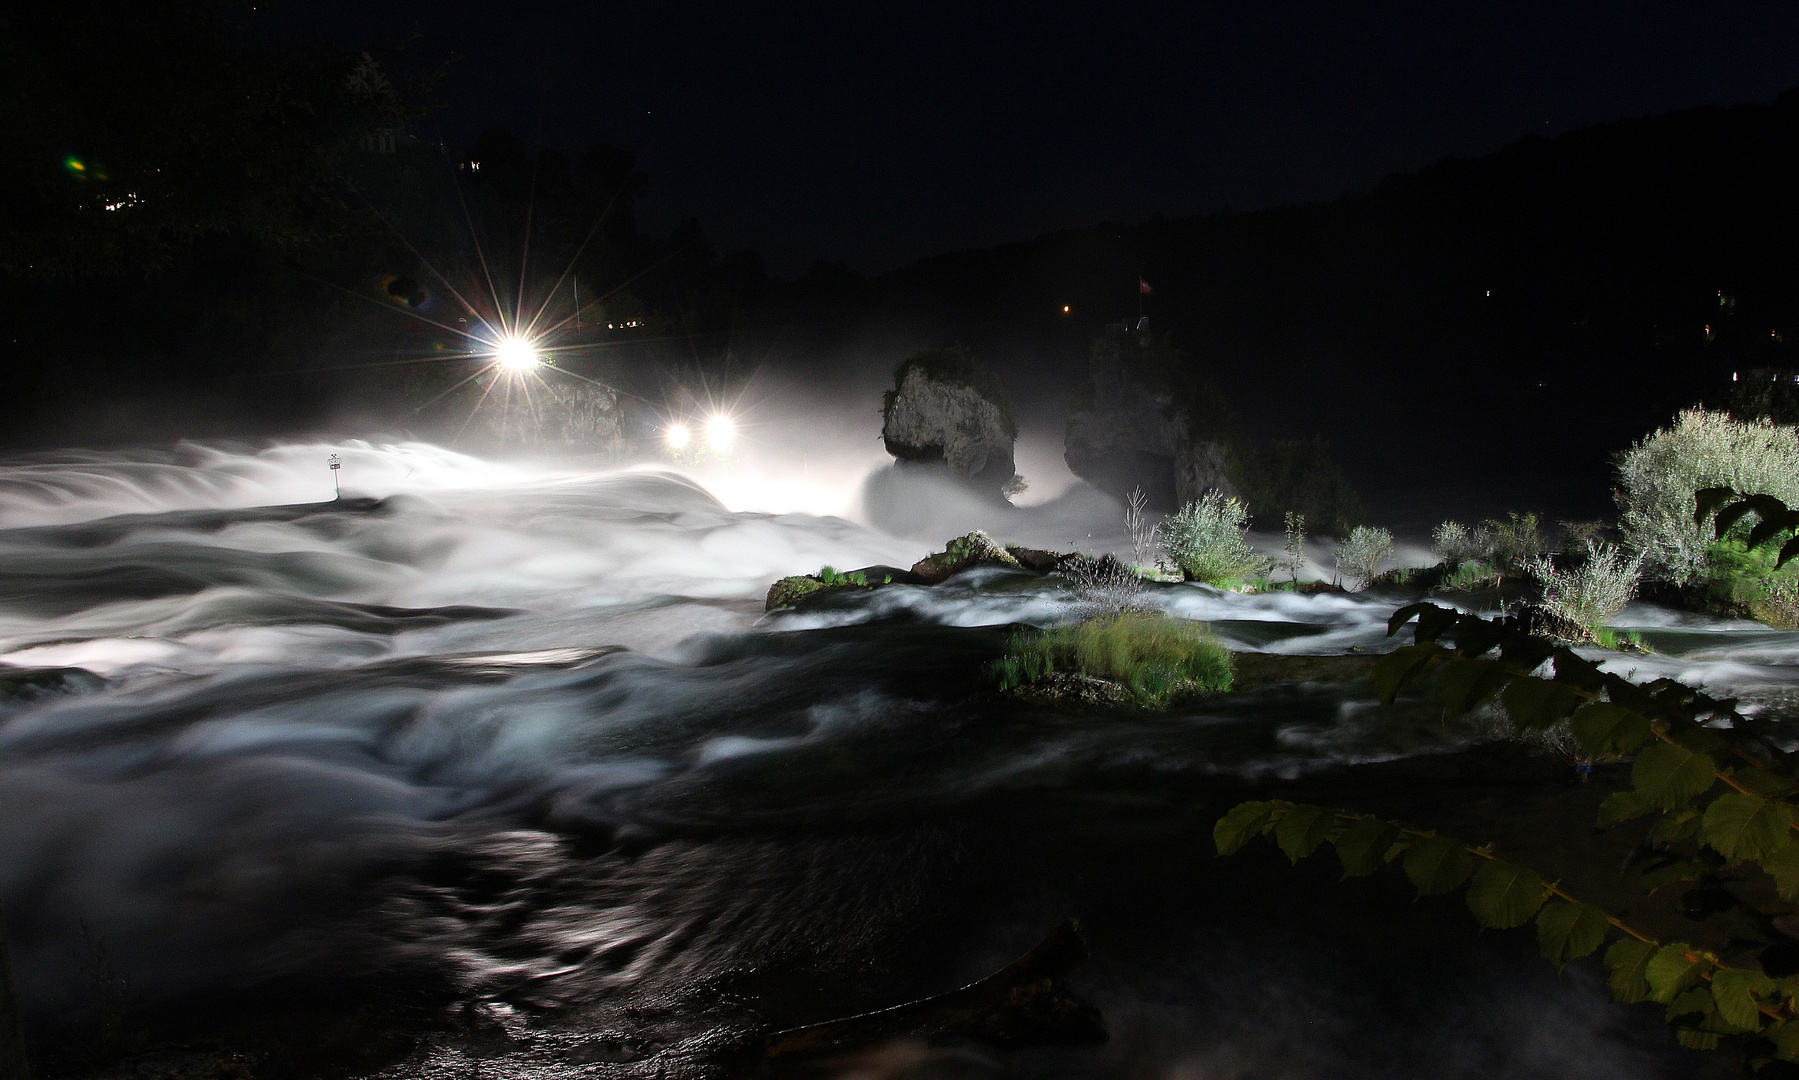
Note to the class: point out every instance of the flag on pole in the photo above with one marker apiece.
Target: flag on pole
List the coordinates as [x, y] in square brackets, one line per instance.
[1143, 287]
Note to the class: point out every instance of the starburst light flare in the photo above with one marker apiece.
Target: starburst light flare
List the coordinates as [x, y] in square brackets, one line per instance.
[721, 432]
[516, 355]
[677, 436]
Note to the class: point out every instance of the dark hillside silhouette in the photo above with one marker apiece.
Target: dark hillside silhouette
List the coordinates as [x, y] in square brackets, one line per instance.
[1535, 309]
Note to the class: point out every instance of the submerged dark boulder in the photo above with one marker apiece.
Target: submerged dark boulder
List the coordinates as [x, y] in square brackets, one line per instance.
[945, 410]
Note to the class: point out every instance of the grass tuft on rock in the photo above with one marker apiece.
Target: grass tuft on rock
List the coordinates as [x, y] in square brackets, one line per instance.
[1154, 659]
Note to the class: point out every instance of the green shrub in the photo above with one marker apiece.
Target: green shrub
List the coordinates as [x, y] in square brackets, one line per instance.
[1454, 543]
[1471, 574]
[1657, 478]
[1512, 544]
[1156, 659]
[1592, 591]
[1361, 554]
[1736, 575]
[1205, 539]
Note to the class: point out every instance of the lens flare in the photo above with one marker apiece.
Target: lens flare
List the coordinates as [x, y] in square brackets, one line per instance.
[720, 432]
[516, 354]
[677, 435]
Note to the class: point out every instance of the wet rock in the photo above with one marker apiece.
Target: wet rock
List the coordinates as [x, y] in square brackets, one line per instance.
[1071, 688]
[586, 417]
[1035, 560]
[974, 549]
[789, 591]
[947, 411]
[1144, 424]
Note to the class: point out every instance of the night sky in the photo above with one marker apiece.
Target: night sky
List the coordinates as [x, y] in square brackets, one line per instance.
[879, 134]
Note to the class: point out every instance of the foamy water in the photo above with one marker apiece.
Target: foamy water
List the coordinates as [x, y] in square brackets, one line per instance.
[289, 710]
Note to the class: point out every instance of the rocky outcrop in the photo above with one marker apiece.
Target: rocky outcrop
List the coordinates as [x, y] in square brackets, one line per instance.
[975, 549]
[945, 410]
[1139, 427]
[584, 417]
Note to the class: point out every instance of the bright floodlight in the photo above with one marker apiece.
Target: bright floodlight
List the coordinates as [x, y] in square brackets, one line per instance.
[677, 435]
[516, 354]
[720, 432]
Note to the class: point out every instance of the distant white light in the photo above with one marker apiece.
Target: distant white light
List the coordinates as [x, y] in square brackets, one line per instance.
[677, 435]
[515, 354]
[720, 432]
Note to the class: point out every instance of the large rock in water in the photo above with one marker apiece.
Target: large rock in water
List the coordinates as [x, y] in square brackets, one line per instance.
[1142, 425]
[945, 409]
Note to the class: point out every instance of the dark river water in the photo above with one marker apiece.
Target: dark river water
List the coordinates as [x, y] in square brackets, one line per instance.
[521, 747]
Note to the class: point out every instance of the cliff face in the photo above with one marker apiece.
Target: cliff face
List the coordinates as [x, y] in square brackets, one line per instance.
[1129, 433]
[940, 413]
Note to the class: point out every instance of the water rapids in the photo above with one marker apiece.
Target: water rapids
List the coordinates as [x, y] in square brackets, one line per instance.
[522, 740]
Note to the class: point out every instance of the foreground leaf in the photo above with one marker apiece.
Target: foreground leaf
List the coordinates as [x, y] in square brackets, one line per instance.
[1735, 990]
[1627, 960]
[1464, 684]
[1671, 969]
[1242, 822]
[1608, 730]
[1667, 776]
[1783, 867]
[1621, 806]
[1437, 865]
[1535, 704]
[1743, 827]
[1392, 671]
[1302, 828]
[1567, 931]
[1503, 895]
[1363, 846]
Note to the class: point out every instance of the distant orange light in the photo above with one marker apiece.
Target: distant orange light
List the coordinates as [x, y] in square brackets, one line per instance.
[1065, 309]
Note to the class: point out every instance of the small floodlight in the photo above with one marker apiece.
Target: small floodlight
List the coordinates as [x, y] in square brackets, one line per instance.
[515, 354]
[720, 432]
[677, 435]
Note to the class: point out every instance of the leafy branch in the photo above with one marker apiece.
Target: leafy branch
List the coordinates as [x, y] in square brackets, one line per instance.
[1707, 998]
[1718, 782]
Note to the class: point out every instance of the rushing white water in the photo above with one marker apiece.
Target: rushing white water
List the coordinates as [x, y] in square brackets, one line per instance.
[287, 706]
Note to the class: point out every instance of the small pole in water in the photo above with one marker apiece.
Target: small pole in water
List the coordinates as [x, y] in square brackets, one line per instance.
[336, 470]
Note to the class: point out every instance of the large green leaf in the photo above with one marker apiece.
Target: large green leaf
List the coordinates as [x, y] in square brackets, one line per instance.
[1363, 846]
[1786, 1040]
[1392, 671]
[1607, 730]
[1672, 969]
[1627, 959]
[1242, 822]
[1783, 866]
[1567, 931]
[1463, 684]
[1437, 864]
[1669, 873]
[1503, 895]
[1743, 826]
[1736, 991]
[1667, 775]
[1621, 806]
[1534, 704]
[1302, 828]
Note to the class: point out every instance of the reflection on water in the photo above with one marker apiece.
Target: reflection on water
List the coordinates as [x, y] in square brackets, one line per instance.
[527, 735]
